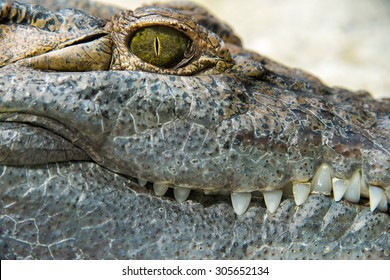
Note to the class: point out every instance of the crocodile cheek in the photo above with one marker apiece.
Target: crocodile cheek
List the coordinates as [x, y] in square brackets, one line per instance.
[169, 135]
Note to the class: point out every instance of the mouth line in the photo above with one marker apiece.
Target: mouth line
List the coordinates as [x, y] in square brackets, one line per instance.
[52, 125]
[353, 190]
[38, 140]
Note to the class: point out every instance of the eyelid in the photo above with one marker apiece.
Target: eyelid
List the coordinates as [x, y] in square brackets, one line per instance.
[207, 54]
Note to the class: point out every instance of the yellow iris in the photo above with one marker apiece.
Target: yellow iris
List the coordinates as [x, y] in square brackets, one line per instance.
[160, 45]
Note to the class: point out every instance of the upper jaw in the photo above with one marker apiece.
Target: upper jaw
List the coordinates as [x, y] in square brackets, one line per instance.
[192, 135]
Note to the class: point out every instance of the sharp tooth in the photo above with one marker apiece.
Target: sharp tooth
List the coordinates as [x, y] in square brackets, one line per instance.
[272, 199]
[376, 196]
[301, 192]
[181, 194]
[321, 182]
[383, 203]
[339, 188]
[354, 185]
[142, 183]
[160, 189]
[241, 202]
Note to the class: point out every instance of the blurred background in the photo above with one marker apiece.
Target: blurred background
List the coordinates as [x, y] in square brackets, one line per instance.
[344, 42]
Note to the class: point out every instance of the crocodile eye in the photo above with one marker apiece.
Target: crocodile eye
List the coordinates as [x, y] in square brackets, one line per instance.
[161, 46]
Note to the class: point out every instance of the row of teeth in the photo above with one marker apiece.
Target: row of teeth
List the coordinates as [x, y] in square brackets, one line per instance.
[322, 182]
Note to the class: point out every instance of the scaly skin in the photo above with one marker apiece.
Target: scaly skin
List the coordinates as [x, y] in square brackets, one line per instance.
[227, 121]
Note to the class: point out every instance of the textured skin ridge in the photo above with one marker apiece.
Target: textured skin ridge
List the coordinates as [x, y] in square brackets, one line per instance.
[55, 30]
[82, 211]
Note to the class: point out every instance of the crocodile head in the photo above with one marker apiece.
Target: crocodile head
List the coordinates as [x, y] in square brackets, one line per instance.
[165, 97]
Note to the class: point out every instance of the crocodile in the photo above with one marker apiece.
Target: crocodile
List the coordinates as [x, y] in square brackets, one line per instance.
[154, 134]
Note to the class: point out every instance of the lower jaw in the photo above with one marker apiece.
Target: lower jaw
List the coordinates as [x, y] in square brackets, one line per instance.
[80, 210]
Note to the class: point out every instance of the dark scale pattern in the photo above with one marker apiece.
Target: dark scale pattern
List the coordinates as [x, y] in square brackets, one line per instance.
[101, 217]
[346, 216]
[27, 231]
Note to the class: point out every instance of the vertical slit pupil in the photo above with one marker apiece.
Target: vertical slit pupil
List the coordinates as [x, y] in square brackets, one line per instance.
[157, 46]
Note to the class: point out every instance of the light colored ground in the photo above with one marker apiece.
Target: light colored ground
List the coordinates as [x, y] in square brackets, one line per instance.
[344, 42]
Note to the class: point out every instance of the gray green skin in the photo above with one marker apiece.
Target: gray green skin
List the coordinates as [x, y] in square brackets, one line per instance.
[73, 143]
